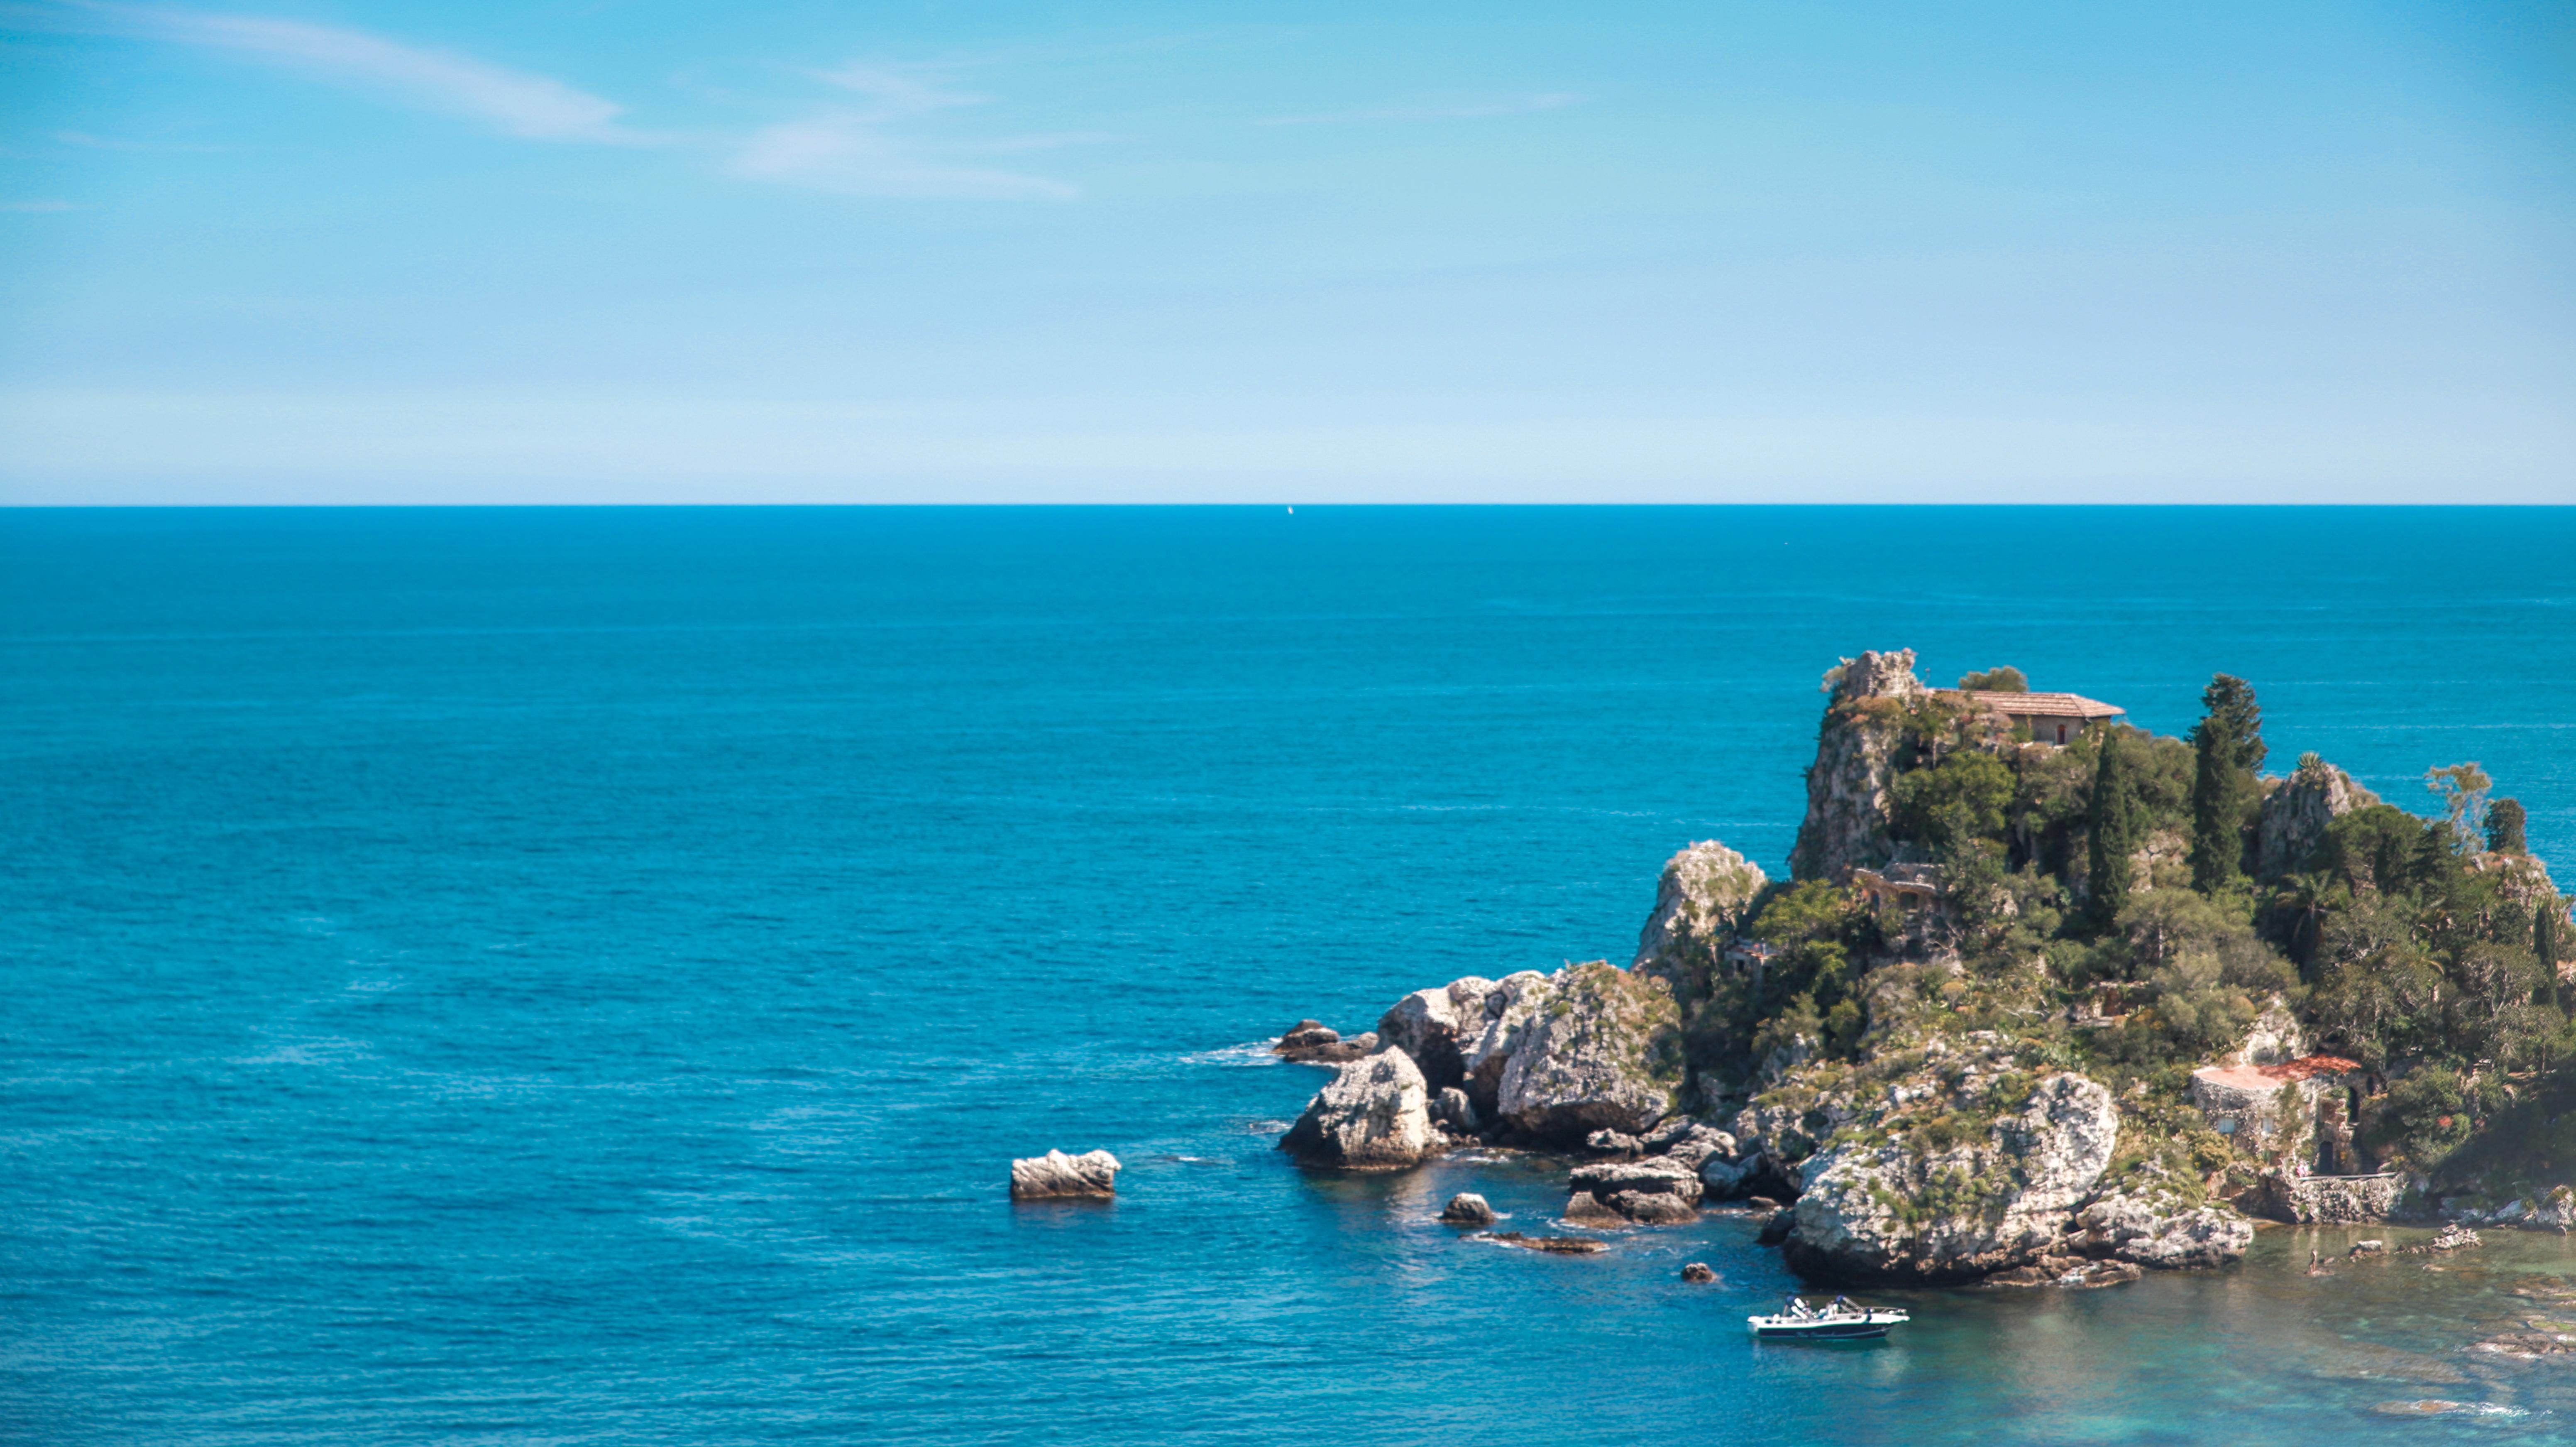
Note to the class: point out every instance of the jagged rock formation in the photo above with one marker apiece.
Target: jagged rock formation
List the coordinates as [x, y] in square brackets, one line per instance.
[1374, 1115]
[1057, 1176]
[1603, 1053]
[1897, 1210]
[1435, 1026]
[1698, 903]
[1847, 799]
[1655, 1191]
[2158, 1228]
[2296, 813]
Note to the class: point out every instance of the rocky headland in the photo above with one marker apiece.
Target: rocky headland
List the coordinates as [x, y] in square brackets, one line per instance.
[1999, 1023]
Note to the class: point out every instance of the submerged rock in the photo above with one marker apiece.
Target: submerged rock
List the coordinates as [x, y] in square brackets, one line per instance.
[2076, 1271]
[1374, 1115]
[1057, 1176]
[1467, 1209]
[1559, 1245]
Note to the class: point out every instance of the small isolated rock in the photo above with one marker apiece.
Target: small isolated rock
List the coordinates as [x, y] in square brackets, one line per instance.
[1561, 1245]
[1698, 1272]
[1056, 1176]
[1467, 1209]
[2368, 1248]
[1306, 1035]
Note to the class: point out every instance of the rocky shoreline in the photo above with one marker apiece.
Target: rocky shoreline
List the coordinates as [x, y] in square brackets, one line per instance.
[1914, 1135]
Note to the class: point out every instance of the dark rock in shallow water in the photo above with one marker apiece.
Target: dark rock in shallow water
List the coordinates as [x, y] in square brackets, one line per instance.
[2069, 1271]
[1584, 1206]
[1467, 1209]
[1452, 1108]
[1312, 1042]
[1560, 1245]
[1776, 1229]
[1056, 1176]
[1698, 1272]
[1651, 1208]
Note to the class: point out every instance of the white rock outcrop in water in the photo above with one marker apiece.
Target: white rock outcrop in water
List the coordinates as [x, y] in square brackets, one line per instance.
[1374, 1115]
[1057, 1176]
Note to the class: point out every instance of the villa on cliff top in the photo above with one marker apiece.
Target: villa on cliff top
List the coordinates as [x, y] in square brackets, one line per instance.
[2054, 718]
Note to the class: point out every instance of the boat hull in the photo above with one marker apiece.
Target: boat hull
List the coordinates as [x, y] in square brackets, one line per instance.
[1823, 1331]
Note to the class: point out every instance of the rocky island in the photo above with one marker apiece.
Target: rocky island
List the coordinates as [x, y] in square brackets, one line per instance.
[2046, 999]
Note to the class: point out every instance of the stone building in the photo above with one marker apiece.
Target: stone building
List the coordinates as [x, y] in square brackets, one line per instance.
[2299, 1110]
[2053, 718]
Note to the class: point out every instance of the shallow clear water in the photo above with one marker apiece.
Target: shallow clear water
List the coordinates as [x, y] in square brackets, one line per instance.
[579, 976]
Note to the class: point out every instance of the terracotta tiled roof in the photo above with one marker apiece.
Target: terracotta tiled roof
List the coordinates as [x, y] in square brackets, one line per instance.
[2273, 1077]
[2054, 705]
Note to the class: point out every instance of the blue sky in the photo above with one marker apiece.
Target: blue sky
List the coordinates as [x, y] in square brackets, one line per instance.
[342, 252]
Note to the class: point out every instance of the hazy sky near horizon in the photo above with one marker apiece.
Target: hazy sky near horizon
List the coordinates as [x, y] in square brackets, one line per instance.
[637, 252]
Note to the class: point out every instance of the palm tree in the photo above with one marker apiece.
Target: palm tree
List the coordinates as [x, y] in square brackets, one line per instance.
[2307, 897]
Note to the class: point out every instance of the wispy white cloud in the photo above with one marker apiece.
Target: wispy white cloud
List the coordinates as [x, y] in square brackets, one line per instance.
[1450, 109]
[536, 107]
[33, 206]
[851, 154]
[864, 149]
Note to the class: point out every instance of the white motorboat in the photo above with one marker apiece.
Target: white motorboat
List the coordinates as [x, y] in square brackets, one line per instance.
[1839, 1321]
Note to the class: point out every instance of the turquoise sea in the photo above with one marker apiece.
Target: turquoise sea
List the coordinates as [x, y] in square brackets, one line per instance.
[579, 976]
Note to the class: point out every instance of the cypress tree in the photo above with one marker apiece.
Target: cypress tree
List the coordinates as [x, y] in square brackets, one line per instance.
[2115, 827]
[2228, 745]
[2505, 821]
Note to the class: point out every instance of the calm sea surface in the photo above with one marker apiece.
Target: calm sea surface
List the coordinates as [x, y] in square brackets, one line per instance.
[578, 976]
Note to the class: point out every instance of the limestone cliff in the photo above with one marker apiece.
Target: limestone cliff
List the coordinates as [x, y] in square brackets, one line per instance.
[2297, 811]
[1847, 799]
[1930, 1207]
